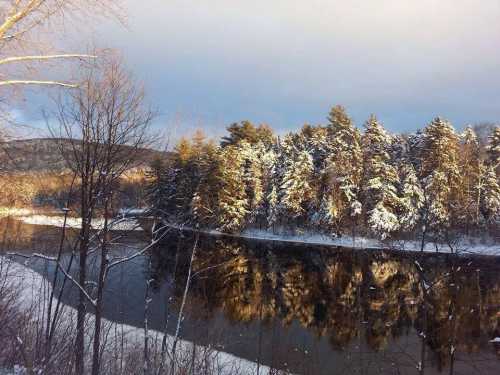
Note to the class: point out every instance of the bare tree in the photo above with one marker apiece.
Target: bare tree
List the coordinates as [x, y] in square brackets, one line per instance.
[106, 123]
[23, 21]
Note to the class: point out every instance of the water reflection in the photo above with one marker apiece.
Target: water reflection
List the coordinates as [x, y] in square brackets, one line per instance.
[307, 309]
[363, 303]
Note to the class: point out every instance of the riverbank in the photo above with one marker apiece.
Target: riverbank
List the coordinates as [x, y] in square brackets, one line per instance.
[32, 288]
[465, 245]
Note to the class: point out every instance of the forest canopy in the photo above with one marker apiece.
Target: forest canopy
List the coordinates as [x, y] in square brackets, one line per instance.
[336, 179]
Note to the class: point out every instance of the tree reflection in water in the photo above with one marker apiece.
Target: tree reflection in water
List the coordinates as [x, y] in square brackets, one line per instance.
[381, 312]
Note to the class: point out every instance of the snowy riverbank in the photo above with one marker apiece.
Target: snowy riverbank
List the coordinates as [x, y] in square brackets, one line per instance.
[116, 224]
[465, 245]
[32, 287]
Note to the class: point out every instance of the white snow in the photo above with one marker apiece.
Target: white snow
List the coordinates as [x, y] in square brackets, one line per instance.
[123, 224]
[467, 245]
[32, 286]
[133, 211]
[13, 211]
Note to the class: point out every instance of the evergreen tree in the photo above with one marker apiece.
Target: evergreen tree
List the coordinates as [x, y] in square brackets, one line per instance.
[411, 198]
[490, 194]
[248, 132]
[343, 168]
[325, 177]
[232, 197]
[469, 175]
[158, 187]
[415, 144]
[295, 188]
[268, 209]
[204, 203]
[440, 173]
[493, 149]
[253, 175]
[380, 180]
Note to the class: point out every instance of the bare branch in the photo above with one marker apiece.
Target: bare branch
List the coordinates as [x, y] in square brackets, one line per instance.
[37, 82]
[46, 57]
[58, 265]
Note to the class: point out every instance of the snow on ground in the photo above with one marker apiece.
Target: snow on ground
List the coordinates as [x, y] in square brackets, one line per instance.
[75, 222]
[466, 245]
[33, 286]
[133, 211]
[13, 211]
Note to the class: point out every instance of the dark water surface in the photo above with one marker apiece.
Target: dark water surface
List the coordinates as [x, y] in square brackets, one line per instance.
[308, 309]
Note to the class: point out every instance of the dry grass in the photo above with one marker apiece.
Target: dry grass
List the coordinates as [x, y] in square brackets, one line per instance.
[38, 189]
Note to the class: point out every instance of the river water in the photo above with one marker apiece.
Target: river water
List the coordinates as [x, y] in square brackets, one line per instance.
[306, 309]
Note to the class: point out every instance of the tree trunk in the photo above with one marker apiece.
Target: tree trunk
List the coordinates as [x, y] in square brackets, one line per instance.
[82, 278]
[100, 288]
[81, 308]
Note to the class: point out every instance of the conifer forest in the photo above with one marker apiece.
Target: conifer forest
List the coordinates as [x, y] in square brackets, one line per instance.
[435, 184]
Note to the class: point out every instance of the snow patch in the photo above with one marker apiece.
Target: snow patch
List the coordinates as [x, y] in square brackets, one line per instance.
[466, 246]
[116, 224]
[32, 286]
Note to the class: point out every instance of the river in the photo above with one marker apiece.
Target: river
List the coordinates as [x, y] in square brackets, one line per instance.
[302, 308]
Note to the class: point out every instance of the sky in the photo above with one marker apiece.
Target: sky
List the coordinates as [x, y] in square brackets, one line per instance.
[286, 62]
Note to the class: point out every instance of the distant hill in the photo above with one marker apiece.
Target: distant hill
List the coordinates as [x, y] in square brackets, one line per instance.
[43, 155]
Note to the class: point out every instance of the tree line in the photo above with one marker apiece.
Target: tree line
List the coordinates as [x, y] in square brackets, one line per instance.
[433, 184]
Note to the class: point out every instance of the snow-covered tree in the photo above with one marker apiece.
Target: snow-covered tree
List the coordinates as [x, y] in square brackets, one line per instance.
[232, 198]
[469, 174]
[268, 208]
[204, 203]
[383, 221]
[440, 172]
[490, 194]
[295, 188]
[343, 166]
[411, 198]
[380, 180]
[253, 176]
[493, 149]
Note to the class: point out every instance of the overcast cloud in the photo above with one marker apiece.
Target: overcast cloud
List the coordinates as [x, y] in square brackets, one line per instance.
[286, 62]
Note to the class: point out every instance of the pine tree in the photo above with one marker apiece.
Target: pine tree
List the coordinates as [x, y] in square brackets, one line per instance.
[380, 180]
[268, 209]
[469, 174]
[204, 204]
[415, 144]
[411, 198]
[232, 196]
[253, 175]
[490, 194]
[158, 189]
[439, 172]
[343, 167]
[248, 132]
[493, 150]
[295, 188]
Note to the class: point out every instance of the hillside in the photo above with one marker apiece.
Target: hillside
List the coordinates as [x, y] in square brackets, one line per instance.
[43, 155]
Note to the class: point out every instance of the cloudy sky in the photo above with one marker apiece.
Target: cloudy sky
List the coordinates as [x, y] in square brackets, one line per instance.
[286, 62]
